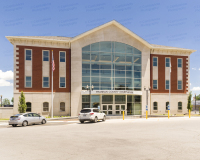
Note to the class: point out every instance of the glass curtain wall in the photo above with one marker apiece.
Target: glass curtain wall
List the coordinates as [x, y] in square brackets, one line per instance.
[134, 106]
[111, 66]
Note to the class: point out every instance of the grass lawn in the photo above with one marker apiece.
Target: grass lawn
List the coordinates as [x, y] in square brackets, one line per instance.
[4, 119]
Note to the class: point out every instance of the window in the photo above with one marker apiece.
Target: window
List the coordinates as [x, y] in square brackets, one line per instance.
[45, 106]
[36, 115]
[85, 101]
[45, 82]
[167, 62]
[28, 109]
[179, 105]
[62, 106]
[28, 55]
[62, 56]
[179, 63]
[155, 84]
[167, 103]
[180, 85]
[155, 61]
[62, 82]
[28, 81]
[166, 84]
[155, 105]
[45, 55]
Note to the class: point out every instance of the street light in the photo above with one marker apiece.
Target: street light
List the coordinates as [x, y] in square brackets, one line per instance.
[90, 92]
[147, 89]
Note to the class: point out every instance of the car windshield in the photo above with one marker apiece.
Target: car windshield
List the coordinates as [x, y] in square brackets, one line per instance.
[85, 110]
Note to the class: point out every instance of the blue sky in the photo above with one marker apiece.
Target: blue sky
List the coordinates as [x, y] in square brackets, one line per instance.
[170, 23]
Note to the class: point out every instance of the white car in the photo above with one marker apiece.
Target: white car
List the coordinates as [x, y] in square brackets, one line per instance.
[91, 114]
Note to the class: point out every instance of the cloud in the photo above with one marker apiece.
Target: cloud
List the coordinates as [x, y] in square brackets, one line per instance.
[199, 68]
[190, 84]
[5, 77]
[196, 88]
[193, 68]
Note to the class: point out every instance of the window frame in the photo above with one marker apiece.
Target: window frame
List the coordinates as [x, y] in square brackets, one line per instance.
[166, 61]
[181, 85]
[43, 56]
[59, 57]
[43, 107]
[166, 85]
[181, 62]
[64, 107]
[181, 106]
[31, 54]
[45, 81]
[156, 106]
[59, 82]
[156, 61]
[153, 84]
[25, 82]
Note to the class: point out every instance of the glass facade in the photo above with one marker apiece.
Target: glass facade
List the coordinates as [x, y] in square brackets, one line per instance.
[111, 66]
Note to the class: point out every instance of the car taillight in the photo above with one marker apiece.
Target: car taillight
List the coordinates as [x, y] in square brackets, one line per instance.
[91, 113]
[19, 118]
[79, 114]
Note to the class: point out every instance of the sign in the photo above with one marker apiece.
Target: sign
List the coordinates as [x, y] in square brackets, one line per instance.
[168, 107]
[111, 92]
[146, 108]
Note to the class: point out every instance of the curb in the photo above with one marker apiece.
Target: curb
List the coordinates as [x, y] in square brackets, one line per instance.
[50, 119]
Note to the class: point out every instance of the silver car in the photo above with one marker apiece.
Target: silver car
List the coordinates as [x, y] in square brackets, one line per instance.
[25, 119]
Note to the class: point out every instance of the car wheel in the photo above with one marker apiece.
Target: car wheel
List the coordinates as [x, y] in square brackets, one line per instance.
[82, 121]
[104, 118]
[25, 123]
[95, 120]
[43, 121]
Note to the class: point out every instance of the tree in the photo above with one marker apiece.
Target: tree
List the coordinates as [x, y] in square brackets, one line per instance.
[198, 97]
[12, 100]
[22, 103]
[6, 101]
[189, 106]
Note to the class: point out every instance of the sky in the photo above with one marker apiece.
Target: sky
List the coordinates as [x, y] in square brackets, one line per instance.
[170, 23]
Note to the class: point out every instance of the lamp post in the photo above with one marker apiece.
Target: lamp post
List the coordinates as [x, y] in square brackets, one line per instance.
[195, 103]
[90, 92]
[147, 89]
[1, 100]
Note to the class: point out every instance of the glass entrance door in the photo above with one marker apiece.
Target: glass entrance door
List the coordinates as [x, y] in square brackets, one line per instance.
[107, 109]
[119, 108]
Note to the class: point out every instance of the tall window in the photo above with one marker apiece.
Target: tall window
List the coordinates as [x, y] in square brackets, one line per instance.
[28, 54]
[28, 81]
[85, 101]
[62, 56]
[155, 61]
[179, 63]
[167, 62]
[45, 82]
[155, 105]
[62, 82]
[111, 65]
[167, 103]
[28, 109]
[155, 84]
[166, 84]
[45, 55]
[179, 105]
[62, 106]
[45, 106]
[180, 85]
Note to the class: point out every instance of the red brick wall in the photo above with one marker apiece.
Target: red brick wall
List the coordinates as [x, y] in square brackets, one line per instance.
[37, 69]
[161, 74]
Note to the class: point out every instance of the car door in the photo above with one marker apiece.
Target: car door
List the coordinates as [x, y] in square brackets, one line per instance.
[30, 118]
[36, 118]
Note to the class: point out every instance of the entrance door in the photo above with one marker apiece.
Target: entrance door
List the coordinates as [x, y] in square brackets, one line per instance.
[107, 109]
[119, 108]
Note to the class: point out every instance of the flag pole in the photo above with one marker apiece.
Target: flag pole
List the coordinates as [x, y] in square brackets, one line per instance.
[52, 86]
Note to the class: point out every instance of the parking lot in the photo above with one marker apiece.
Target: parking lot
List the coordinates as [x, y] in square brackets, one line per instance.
[154, 138]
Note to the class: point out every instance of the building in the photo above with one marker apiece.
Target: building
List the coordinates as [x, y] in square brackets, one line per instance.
[110, 64]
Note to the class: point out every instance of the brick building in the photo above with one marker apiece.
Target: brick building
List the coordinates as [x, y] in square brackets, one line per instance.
[107, 67]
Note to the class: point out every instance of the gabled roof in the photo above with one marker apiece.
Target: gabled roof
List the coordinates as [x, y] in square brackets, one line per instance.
[113, 22]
